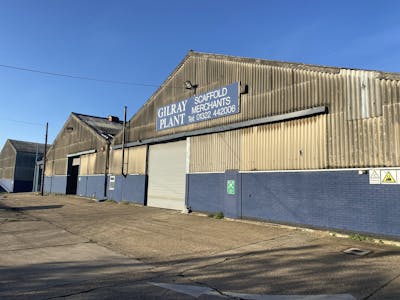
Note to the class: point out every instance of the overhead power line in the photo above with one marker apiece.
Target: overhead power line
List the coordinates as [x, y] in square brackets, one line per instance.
[78, 77]
[22, 122]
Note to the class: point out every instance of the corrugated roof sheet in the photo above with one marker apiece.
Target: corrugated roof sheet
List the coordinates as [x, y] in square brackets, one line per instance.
[101, 125]
[22, 146]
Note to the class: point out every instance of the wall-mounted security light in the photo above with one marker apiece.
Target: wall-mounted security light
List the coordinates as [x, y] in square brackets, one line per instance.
[189, 85]
[244, 89]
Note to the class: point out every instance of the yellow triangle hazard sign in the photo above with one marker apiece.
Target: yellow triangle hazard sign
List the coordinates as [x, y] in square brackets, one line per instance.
[388, 178]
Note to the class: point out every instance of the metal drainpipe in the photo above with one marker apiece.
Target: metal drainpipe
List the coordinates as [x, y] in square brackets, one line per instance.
[34, 185]
[107, 166]
[123, 144]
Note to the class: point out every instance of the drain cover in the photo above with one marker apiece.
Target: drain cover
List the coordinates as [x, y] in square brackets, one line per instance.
[356, 251]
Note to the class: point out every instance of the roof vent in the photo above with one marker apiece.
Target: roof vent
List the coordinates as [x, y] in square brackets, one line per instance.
[113, 119]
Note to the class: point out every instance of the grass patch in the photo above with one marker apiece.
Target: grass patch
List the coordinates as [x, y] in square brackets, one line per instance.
[125, 202]
[111, 201]
[219, 215]
[359, 237]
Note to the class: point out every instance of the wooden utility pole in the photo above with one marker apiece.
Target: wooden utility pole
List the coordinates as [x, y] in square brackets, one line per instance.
[44, 158]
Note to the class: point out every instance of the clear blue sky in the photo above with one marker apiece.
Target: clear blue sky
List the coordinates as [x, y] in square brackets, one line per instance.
[143, 41]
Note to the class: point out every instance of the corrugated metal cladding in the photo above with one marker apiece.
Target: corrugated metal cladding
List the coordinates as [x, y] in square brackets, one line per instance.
[8, 158]
[297, 144]
[25, 166]
[135, 161]
[73, 141]
[362, 124]
[88, 164]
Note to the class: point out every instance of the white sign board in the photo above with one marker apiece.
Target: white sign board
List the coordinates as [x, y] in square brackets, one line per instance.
[384, 176]
[374, 177]
[112, 183]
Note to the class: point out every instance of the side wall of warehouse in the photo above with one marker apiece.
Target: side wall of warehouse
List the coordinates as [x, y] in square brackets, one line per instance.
[309, 170]
[73, 142]
[8, 157]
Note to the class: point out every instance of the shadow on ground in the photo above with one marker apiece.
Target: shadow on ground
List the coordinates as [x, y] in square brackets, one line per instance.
[302, 270]
[27, 208]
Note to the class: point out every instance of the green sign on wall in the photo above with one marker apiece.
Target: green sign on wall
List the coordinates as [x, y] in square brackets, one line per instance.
[230, 187]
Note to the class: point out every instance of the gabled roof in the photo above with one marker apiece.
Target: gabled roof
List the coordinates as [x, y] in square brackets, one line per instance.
[102, 126]
[294, 65]
[197, 63]
[22, 146]
[258, 61]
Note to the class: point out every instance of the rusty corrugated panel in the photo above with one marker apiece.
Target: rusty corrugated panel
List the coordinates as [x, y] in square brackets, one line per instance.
[49, 169]
[392, 128]
[60, 166]
[297, 144]
[136, 159]
[90, 164]
[100, 160]
[215, 152]
[292, 145]
[362, 91]
[116, 162]
[83, 168]
[361, 135]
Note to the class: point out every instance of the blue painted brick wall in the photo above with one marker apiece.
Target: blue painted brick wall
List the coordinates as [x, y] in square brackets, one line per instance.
[95, 187]
[55, 184]
[47, 184]
[134, 189]
[341, 200]
[91, 186]
[82, 185]
[206, 192]
[130, 188]
[115, 194]
[232, 207]
[338, 199]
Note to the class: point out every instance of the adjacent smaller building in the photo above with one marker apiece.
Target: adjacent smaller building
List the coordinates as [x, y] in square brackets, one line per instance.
[78, 160]
[17, 165]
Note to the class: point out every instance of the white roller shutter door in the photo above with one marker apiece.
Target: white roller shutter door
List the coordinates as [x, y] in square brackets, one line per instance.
[167, 175]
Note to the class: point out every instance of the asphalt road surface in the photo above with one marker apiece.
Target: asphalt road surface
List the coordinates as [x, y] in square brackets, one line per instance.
[67, 247]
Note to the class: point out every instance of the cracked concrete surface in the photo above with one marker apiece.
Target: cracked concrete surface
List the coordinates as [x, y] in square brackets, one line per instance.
[68, 247]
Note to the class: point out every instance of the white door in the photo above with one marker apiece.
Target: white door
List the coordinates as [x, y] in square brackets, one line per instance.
[167, 175]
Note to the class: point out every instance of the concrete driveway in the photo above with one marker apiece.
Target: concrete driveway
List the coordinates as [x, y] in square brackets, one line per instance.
[68, 247]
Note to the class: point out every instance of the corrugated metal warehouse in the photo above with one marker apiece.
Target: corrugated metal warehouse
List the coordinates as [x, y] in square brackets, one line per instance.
[284, 142]
[78, 160]
[17, 165]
